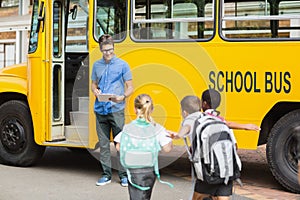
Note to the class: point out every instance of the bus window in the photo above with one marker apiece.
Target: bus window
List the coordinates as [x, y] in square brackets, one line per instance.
[76, 38]
[34, 26]
[110, 18]
[261, 19]
[57, 77]
[57, 29]
[290, 27]
[172, 20]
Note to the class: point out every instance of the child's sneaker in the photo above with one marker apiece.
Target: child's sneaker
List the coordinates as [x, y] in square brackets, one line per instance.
[103, 181]
[124, 182]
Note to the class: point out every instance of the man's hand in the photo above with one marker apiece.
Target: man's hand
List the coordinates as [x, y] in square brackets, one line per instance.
[118, 99]
[96, 92]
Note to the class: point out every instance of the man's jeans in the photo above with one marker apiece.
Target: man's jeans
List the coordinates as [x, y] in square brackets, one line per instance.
[105, 124]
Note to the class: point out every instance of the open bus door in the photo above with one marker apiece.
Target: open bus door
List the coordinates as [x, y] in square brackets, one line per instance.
[69, 76]
[57, 71]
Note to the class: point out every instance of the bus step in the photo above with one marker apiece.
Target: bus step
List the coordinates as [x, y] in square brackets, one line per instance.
[79, 118]
[83, 104]
[77, 133]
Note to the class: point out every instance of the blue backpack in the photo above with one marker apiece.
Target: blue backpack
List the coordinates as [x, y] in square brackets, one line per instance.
[139, 148]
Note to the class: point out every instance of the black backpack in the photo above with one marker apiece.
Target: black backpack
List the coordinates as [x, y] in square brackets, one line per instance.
[214, 155]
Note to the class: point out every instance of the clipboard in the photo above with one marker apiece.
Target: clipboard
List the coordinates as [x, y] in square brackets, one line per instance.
[105, 97]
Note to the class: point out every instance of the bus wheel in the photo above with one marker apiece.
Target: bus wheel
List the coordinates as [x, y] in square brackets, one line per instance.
[17, 146]
[282, 150]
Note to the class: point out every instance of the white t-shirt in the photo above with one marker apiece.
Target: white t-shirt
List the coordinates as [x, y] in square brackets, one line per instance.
[190, 121]
[162, 137]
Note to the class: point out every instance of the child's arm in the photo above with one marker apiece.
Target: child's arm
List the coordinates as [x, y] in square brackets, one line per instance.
[168, 147]
[184, 130]
[117, 140]
[118, 146]
[165, 141]
[235, 125]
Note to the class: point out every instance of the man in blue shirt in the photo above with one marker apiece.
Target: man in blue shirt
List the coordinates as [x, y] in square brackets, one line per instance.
[110, 75]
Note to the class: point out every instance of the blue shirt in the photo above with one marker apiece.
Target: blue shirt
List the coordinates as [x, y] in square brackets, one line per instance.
[111, 78]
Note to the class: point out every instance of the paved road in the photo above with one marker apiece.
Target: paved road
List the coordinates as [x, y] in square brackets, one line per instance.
[258, 182]
[65, 175]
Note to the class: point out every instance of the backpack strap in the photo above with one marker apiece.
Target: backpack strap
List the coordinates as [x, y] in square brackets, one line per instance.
[156, 170]
[135, 185]
[214, 113]
[226, 164]
[187, 149]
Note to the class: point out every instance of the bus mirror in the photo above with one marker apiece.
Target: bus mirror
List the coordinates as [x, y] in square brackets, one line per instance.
[74, 12]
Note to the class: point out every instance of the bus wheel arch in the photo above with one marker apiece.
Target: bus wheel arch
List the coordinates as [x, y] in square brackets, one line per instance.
[17, 145]
[275, 113]
[281, 151]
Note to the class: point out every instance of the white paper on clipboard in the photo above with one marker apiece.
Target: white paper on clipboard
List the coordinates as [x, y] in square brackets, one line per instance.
[105, 97]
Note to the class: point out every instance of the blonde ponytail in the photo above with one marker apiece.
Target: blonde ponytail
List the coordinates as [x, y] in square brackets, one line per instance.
[144, 107]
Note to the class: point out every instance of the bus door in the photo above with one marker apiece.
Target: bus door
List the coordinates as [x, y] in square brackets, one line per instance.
[69, 72]
[57, 72]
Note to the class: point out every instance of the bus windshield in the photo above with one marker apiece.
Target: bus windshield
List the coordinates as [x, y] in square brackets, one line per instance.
[34, 28]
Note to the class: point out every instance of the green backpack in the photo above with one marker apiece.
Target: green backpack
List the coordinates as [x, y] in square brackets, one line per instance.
[139, 148]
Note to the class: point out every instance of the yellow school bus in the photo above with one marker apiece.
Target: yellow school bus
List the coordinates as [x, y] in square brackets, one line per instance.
[246, 49]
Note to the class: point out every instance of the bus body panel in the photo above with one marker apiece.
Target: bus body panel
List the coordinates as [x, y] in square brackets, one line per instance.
[181, 72]
[36, 97]
[13, 79]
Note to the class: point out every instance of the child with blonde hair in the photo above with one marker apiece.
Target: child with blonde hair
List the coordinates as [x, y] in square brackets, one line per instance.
[140, 175]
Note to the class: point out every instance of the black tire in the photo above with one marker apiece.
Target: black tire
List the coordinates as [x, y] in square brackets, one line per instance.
[282, 151]
[17, 146]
